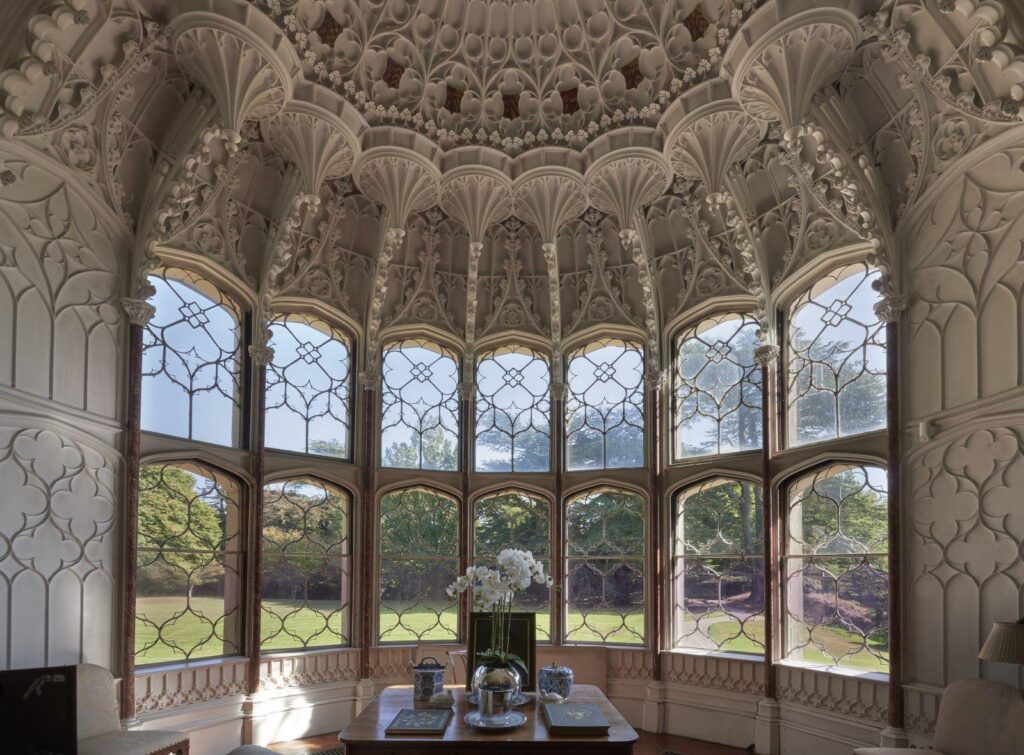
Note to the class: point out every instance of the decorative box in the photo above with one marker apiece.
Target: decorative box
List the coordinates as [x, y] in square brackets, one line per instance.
[427, 679]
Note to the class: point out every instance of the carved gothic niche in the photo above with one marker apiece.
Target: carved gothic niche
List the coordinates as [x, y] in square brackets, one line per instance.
[513, 287]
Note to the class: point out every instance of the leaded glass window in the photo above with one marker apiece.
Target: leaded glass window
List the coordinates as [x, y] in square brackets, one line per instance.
[513, 411]
[419, 558]
[514, 519]
[309, 385]
[717, 391]
[836, 358]
[835, 569]
[604, 567]
[191, 363]
[604, 412]
[718, 567]
[420, 406]
[188, 586]
[305, 590]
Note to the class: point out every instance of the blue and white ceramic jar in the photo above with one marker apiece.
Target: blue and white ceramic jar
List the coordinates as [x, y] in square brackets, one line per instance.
[555, 678]
[427, 678]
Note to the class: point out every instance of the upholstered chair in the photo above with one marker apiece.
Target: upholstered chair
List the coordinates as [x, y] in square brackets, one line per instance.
[976, 717]
[99, 725]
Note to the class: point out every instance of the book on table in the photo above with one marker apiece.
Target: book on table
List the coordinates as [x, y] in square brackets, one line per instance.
[575, 719]
[410, 721]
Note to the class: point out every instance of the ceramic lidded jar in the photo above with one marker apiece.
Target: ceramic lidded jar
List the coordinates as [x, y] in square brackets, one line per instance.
[555, 678]
[427, 678]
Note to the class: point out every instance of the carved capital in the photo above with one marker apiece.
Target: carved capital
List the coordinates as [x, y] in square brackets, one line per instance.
[139, 311]
[393, 238]
[890, 307]
[655, 380]
[467, 390]
[369, 380]
[630, 238]
[559, 391]
[767, 354]
[261, 355]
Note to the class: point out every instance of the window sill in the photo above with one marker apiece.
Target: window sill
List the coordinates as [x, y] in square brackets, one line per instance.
[164, 668]
[723, 655]
[874, 676]
[299, 652]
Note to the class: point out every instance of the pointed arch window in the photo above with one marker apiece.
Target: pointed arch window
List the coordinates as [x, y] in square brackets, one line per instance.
[419, 406]
[516, 519]
[191, 360]
[604, 411]
[835, 567]
[419, 558]
[835, 357]
[605, 535]
[717, 391]
[718, 567]
[305, 589]
[189, 590]
[309, 388]
[513, 411]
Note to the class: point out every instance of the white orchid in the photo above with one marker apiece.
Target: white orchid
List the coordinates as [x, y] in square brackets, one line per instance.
[495, 589]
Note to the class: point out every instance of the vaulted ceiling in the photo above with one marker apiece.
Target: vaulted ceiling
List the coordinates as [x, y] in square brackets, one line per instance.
[488, 167]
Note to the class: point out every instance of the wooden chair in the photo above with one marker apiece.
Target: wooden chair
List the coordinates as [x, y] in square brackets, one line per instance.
[99, 725]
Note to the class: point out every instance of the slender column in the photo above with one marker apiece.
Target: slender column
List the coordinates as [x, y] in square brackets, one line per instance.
[261, 356]
[139, 313]
[370, 382]
[895, 719]
[558, 392]
[655, 381]
[768, 357]
[467, 390]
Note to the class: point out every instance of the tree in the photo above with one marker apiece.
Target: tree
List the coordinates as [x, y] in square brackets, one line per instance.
[436, 450]
[182, 521]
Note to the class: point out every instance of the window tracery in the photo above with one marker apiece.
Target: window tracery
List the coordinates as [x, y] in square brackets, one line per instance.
[191, 360]
[604, 411]
[309, 384]
[717, 396]
[605, 543]
[305, 595]
[419, 558]
[718, 567]
[836, 358]
[515, 519]
[513, 411]
[189, 592]
[835, 568]
[419, 406]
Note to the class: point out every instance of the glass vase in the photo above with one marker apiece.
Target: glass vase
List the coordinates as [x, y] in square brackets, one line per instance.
[496, 685]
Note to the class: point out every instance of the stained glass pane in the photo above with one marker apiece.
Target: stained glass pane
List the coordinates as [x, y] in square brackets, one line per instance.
[419, 558]
[836, 358]
[513, 411]
[718, 569]
[513, 519]
[420, 406]
[836, 573]
[309, 385]
[604, 411]
[717, 390]
[191, 364]
[305, 589]
[188, 591]
[604, 568]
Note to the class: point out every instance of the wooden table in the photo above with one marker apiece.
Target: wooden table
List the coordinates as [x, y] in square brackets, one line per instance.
[365, 735]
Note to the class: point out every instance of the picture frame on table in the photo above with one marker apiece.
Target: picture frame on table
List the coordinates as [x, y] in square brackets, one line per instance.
[522, 642]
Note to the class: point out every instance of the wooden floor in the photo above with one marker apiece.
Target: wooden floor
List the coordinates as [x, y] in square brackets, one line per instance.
[650, 744]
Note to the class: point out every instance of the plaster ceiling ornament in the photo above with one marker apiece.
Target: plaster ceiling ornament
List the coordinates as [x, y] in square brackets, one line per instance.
[477, 197]
[621, 183]
[783, 70]
[404, 182]
[316, 140]
[549, 198]
[511, 75]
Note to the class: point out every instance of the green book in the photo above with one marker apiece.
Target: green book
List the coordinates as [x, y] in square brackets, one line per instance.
[575, 719]
[426, 721]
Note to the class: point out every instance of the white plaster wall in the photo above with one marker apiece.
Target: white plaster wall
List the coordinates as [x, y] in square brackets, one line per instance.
[60, 470]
